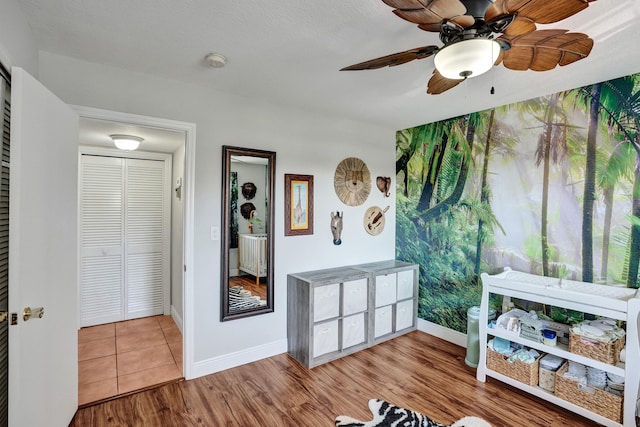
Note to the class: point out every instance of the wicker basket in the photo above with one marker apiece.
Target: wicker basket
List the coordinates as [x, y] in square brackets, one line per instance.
[523, 372]
[596, 350]
[595, 400]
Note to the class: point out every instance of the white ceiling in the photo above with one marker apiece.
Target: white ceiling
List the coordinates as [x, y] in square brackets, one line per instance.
[290, 51]
[96, 133]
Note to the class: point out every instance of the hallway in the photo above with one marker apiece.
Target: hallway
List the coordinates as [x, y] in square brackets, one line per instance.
[122, 357]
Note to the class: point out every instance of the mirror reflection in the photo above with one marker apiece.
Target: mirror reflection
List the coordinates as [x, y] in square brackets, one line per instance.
[247, 244]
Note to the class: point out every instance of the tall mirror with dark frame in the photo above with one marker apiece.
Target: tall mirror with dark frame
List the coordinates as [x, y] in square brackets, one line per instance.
[248, 178]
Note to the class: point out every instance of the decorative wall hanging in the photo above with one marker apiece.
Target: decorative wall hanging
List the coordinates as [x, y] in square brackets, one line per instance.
[352, 181]
[248, 190]
[246, 209]
[336, 227]
[374, 220]
[298, 204]
[384, 185]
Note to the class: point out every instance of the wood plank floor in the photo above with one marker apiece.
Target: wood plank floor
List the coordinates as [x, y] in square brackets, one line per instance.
[417, 371]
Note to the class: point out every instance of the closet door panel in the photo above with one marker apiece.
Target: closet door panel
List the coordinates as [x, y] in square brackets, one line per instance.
[101, 240]
[145, 224]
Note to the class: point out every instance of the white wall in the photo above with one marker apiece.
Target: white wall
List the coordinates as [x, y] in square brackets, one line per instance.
[177, 253]
[305, 143]
[17, 44]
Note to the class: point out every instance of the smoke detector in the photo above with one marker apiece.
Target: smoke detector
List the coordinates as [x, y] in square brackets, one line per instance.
[215, 60]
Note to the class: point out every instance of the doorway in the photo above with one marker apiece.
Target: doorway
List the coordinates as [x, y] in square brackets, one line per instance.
[176, 139]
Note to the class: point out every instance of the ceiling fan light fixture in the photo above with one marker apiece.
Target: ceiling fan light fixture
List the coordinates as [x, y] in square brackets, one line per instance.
[126, 142]
[467, 58]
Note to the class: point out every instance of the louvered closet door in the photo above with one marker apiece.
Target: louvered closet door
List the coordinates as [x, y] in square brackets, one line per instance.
[124, 231]
[101, 240]
[145, 225]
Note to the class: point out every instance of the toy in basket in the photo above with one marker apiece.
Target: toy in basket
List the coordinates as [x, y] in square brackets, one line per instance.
[599, 340]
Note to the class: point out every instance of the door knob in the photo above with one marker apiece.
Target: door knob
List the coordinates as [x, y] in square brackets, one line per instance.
[28, 313]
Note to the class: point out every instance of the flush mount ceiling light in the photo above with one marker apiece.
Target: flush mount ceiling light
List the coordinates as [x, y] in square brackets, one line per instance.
[126, 142]
[467, 58]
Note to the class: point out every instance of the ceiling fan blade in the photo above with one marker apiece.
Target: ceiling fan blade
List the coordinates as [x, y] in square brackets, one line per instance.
[394, 59]
[520, 25]
[429, 14]
[538, 11]
[543, 50]
[438, 84]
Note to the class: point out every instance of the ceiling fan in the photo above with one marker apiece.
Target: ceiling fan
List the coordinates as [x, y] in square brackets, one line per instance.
[478, 34]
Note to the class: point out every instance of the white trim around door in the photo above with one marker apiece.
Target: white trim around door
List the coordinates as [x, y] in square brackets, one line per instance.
[188, 199]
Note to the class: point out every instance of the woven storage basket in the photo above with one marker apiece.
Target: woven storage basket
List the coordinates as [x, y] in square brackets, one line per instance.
[523, 372]
[595, 400]
[596, 350]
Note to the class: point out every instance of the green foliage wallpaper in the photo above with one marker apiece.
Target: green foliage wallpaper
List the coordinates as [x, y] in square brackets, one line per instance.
[548, 186]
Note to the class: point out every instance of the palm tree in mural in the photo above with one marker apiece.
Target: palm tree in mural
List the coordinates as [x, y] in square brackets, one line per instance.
[618, 166]
[432, 157]
[448, 177]
[418, 150]
[602, 101]
[590, 185]
[497, 139]
[619, 110]
[622, 114]
[551, 145]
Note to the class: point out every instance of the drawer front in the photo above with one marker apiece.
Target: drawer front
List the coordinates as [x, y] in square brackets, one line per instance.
[354, 298]
[325, 338]
[385, 289]
[353, 330]
[404, 315]
[383, 321]
[405, 285]
[326, 302]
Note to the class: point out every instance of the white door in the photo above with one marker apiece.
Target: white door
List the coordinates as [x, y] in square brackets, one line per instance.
[124, 239]
[43, 355]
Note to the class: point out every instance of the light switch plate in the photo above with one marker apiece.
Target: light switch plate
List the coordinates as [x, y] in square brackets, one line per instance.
[215, 233]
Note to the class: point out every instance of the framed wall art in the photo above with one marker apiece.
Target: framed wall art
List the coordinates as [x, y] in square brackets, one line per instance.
[298, 199]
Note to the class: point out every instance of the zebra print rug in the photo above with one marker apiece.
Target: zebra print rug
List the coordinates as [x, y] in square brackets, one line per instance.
[387, 415]
[241, 299]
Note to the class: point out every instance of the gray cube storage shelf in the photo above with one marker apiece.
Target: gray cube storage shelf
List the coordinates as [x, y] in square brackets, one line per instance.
[339, 311]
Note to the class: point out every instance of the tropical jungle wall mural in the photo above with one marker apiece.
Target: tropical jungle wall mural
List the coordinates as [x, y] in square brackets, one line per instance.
[549, 186]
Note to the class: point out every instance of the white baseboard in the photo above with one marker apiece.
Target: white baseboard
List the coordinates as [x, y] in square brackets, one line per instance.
[176, 318]
[253, 354]
[232, 360]
[446, 334]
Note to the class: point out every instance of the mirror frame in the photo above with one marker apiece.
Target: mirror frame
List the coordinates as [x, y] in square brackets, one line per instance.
[227, 153]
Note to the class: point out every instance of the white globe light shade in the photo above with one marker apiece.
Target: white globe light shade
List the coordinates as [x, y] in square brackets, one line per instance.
[126, 142]
[467, 58]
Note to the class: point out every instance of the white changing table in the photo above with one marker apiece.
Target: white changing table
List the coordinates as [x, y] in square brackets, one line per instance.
[602, 300]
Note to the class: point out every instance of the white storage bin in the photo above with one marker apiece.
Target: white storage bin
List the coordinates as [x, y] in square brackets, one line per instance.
[405, 284]
[404, 315]
[383, 321]
[325, 338]
[354, 299]
[385, 289]
[326, 302]
[353, 330]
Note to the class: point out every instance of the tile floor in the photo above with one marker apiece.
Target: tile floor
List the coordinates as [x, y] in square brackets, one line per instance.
[121, 357]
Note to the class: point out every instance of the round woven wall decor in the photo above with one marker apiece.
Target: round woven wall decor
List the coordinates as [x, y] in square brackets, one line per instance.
[352, 181]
